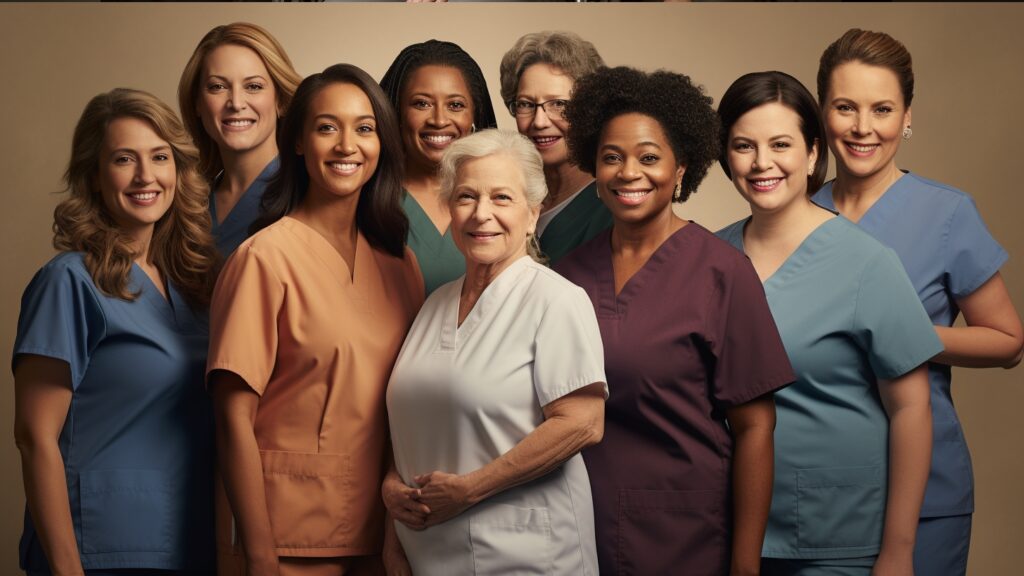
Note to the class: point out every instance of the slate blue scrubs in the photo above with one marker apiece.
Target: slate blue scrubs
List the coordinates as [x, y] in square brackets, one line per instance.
[948, 253]
[235, 227]
[137, 444]
[848, 316]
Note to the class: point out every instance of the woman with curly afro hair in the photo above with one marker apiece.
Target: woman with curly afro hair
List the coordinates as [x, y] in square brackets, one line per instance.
[682, 479]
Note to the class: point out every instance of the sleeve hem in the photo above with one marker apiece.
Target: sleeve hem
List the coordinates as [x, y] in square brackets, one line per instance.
[240, 372]
[765, 385]
[988, 272]
[915, 361]
[574, 385]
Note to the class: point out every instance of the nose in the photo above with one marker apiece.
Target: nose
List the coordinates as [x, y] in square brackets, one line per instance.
[762, 160]
[236, 99]
[439, 116]
[345, 144]
[629, 170]
[863, 124]
[540, 118]
[143, 172]
[483, 210]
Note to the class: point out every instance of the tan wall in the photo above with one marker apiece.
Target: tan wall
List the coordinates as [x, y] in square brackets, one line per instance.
[968, 120]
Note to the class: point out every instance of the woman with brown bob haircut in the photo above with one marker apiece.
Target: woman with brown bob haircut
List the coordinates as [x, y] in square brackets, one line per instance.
[233, 92]
[114, 430]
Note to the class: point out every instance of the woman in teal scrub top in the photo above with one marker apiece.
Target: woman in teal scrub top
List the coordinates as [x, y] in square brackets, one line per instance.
[232, 94]
[114, 428]
[537, 79]
[865, 87]
[440, 95]
[853, 434]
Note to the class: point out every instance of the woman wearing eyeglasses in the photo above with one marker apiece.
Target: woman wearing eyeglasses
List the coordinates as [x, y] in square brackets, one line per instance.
[537, 78]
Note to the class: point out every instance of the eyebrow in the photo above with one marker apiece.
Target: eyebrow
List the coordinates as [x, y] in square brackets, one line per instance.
[850, 100]
[336, 119]
[638, 145]
[426, 95]
[161, 148]
[256, 77]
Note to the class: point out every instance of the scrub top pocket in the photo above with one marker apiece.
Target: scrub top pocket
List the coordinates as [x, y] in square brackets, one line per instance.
[669, 531]
[840, 508]
[307, 496]
[127, 511]
[509, 540]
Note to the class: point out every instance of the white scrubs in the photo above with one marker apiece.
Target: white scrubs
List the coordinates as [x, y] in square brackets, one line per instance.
[461, 396]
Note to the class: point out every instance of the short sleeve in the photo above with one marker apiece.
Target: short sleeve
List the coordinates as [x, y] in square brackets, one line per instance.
[972, 254]
[749, 357]
[243, 319]
[61, 317]
[889, 321]
[568, 350]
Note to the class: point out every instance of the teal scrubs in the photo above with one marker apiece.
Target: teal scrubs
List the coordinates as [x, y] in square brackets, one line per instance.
[235, 227]
[137, 444]
[848, 316]
[440, 261]
[579, 221]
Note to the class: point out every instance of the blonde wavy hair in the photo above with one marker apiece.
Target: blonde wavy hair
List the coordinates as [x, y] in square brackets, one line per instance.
[182, 247]
[270, 51]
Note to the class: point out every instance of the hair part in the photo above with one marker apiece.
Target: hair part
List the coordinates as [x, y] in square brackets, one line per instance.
[182, 246]
[871, 48]
[566, 51]
[269, 50]
[759, 88]
[379, 214]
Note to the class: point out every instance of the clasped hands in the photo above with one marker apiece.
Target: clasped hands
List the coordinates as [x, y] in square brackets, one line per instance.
[440, 497]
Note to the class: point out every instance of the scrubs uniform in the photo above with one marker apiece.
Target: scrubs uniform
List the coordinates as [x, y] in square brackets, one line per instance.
[948, 253]
[689, 336]
[317, 343]
[234, 229]
[848, 317]
[137, 442]
[461, 396]
[580, 219]
[439, 260]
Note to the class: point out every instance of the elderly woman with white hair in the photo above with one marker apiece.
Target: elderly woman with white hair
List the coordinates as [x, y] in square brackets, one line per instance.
[499, 385]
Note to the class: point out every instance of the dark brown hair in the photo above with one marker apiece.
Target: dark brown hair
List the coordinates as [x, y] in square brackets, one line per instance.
[873, 49]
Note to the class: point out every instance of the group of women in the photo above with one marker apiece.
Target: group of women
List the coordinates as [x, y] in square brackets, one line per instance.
[395, 378]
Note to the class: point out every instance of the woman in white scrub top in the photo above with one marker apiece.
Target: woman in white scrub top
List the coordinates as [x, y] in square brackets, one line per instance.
[499, 385]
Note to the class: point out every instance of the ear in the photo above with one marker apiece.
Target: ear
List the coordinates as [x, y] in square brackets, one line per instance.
[812, 157]
[906, 117]
[534, 215]
[680, 171]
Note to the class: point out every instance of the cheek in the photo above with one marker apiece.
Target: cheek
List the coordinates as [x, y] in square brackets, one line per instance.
[522, 124]
[560, 124]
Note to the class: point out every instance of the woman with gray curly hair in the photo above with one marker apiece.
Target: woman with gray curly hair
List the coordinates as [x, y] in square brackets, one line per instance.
[499, 385]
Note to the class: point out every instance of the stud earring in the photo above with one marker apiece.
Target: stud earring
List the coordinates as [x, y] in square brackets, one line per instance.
[678, 192]
[907, 133]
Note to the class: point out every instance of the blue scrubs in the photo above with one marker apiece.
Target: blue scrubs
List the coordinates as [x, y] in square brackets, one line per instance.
[948, 253]
[137, 444]
[848, 317]
[235, 227]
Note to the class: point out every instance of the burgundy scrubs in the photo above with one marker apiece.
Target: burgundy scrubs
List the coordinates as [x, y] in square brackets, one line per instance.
[689, 336]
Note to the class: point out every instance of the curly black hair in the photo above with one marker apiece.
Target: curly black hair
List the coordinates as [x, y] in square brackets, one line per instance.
[682, 109]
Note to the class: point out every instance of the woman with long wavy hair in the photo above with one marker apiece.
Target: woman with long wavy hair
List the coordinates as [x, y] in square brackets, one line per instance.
[110, 417]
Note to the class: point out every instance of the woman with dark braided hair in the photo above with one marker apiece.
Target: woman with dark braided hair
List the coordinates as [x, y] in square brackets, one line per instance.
[440, 95]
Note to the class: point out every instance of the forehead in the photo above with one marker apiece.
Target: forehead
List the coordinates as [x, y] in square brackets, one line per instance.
[234, 60]
[341, 100]
[132, 133]
[499, 170]
[773, 118]
[436, 79]
[864, 81]
[634, 129]
[545, 79]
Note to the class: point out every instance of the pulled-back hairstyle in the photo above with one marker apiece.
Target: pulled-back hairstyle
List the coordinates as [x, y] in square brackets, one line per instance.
[270, 51]
[379, 214]
[492, 143]
[759, 88]
[566, 51]
[873, 49]
[182, 246]
[441, 53]
[680, 107]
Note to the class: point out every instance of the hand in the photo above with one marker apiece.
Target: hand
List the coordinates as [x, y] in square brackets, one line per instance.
[395, 562]
[445, 495]
[403, 503]
[893, 564]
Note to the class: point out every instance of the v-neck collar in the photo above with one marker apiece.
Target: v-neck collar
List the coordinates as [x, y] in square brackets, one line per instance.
[426, 228]
[875, 218]
[493, 295]
[569, 220]
[360, 280]
[264, 176]
[167, 307]
[802, 254]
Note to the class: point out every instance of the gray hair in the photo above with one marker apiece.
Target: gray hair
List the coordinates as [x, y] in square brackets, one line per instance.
[564, 50]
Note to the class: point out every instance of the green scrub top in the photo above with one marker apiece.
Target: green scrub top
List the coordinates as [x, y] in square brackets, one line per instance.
[578, 222]
[848, 316]
[440, 261]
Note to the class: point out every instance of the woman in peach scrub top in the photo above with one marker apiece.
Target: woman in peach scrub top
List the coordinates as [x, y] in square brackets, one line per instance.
[308, 317]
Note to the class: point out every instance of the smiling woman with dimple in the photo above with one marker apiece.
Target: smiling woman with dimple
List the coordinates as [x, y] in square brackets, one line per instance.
[440, 95]
[682, 478]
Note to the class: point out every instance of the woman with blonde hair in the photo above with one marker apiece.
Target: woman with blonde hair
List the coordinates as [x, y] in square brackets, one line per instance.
[233, 92]
[114, 429]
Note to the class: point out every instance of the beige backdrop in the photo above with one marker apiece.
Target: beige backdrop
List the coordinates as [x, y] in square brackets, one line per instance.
[968, 120]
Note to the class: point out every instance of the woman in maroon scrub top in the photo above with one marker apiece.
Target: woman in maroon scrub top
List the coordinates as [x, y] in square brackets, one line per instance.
[682, 480]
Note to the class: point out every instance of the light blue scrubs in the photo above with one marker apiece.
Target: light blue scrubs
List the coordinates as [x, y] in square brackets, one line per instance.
[235, 227]
[948, 253]
[439, 259]
[137, 444]
[848, 316]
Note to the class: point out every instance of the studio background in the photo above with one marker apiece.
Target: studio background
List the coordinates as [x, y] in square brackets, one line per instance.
[968, 121]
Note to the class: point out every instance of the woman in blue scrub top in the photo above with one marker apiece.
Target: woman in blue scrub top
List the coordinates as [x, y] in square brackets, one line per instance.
[114, 428]
[440, 95]
[232, 94]
[853, 433]
[865, 87]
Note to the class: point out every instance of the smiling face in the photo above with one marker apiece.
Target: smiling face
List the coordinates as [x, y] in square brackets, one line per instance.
[491, 217]
[136, 175]
[637, 171]
[436, 108]
[768, 157]
[237, 101]
[864, 119]
[539, 83]
[339, 141]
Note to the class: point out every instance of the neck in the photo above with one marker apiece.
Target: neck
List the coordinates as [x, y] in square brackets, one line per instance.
[242, 168]
[849, 189]
[480, 276]
[421, 178]
[645, 237]
[563, 181]
[142, 240]
[332, 216]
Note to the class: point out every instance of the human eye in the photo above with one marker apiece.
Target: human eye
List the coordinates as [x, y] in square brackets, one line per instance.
[161, 157]
[326, 128]
[122, 159]
[421, 104]
[844, 107]
[611, 159]
[781, 145]
[366, 129]
[742, 146]
[254, 86]
[525, 106]
[883, 110]
[649, 158]
[457, 106]
[559, 105]
[503, 198]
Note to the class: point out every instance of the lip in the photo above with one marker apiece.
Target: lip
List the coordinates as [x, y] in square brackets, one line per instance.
[143, 198]
[861, 150]
[438, 140]
[631, 196]
[765, 184]
[545, 142]
[342, 168]
[479, 236]
[237, 124]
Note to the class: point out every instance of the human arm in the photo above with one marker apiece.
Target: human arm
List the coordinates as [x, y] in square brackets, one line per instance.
[42, 397]
[395, 562]
[571, 423]
[753, 429]
[993, 336]
[906, 400]
[402, 501]
[241, 468]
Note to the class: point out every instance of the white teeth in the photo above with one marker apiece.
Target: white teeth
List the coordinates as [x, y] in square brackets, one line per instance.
[545, 139]
[144, 196]
[630, 194]
[440, 139]
[767, 183]
[344, 167]
[239, 123]
[862, 147]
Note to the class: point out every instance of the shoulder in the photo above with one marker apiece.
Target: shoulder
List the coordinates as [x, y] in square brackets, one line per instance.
[733, 233]
[548, 287]
[64, 268]
[715, 250]
[932, 193]
[579, 260]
